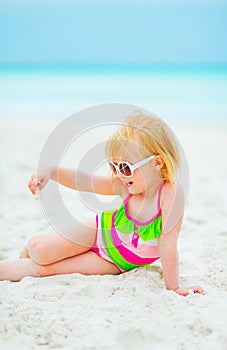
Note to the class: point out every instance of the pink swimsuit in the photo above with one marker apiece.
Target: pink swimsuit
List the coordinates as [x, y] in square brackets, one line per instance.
[125, 241]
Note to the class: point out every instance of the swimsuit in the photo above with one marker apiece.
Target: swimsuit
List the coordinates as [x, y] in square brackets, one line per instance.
[125, 241]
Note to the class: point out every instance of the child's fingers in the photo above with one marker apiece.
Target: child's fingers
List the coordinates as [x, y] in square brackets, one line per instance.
[41, 184]
[34, 183]
[195, 289]
[37, 184]
[32, 186]
[198, 289]
[186, 291]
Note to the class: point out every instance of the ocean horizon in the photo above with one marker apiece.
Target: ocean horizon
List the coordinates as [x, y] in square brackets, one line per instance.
[52, 92]
[123, 68]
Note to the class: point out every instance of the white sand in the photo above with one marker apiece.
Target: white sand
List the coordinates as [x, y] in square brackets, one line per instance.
[130, 311]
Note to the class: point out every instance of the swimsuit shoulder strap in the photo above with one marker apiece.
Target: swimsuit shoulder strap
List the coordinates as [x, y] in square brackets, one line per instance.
[127, 199]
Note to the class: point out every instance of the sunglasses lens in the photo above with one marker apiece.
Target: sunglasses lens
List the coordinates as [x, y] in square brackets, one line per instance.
[125, 169]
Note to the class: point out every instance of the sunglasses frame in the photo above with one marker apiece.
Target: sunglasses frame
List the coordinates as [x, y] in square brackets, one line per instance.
[132, 167]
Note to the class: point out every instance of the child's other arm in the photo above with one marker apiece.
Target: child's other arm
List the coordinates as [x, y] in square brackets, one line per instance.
[167, 244]
[170, 263]
[172, 217]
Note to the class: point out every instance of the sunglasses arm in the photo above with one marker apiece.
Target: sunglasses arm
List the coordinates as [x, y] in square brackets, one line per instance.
[142, 162]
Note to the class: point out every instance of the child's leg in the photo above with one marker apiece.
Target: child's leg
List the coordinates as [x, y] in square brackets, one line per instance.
[88, 263]
[14, 270]
[50, 248]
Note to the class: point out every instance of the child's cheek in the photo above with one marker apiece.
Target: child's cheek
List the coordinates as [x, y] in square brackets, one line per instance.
[139, 182]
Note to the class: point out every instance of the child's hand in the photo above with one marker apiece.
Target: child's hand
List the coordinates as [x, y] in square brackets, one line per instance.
[39, 181]
[186, 290]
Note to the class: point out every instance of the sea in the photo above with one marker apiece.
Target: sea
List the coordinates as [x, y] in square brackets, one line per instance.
[49, 93]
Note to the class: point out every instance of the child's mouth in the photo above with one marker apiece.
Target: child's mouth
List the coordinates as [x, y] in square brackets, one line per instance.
[128, 184]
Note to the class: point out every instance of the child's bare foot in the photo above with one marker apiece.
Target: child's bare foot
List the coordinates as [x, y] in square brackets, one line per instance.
[24, 253]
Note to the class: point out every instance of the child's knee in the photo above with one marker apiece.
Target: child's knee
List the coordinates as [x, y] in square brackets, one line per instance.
[36, 250]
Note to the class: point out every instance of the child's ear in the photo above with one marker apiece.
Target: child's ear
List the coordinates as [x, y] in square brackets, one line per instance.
[159, 162]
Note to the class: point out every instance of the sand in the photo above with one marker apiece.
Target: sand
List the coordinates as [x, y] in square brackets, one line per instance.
[133, 310]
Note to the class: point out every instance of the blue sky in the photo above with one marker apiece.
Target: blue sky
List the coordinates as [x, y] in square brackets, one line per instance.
[113, 31]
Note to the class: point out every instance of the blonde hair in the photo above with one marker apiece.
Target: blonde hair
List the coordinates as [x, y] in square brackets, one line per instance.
[155, 138]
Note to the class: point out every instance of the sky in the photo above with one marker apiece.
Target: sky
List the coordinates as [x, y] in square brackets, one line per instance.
[113, 31]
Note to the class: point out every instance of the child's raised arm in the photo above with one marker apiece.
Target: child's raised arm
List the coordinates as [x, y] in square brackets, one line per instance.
[74, 179]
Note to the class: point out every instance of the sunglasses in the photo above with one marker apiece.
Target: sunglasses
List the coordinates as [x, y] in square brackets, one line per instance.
[126, 169]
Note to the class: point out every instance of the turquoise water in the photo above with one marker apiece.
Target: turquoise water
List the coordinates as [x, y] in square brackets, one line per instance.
[53, 92]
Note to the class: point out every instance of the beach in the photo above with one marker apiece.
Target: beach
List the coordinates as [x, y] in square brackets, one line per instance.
[132, 310]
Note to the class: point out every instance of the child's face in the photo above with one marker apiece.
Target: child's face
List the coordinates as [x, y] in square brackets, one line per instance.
[145, 177]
